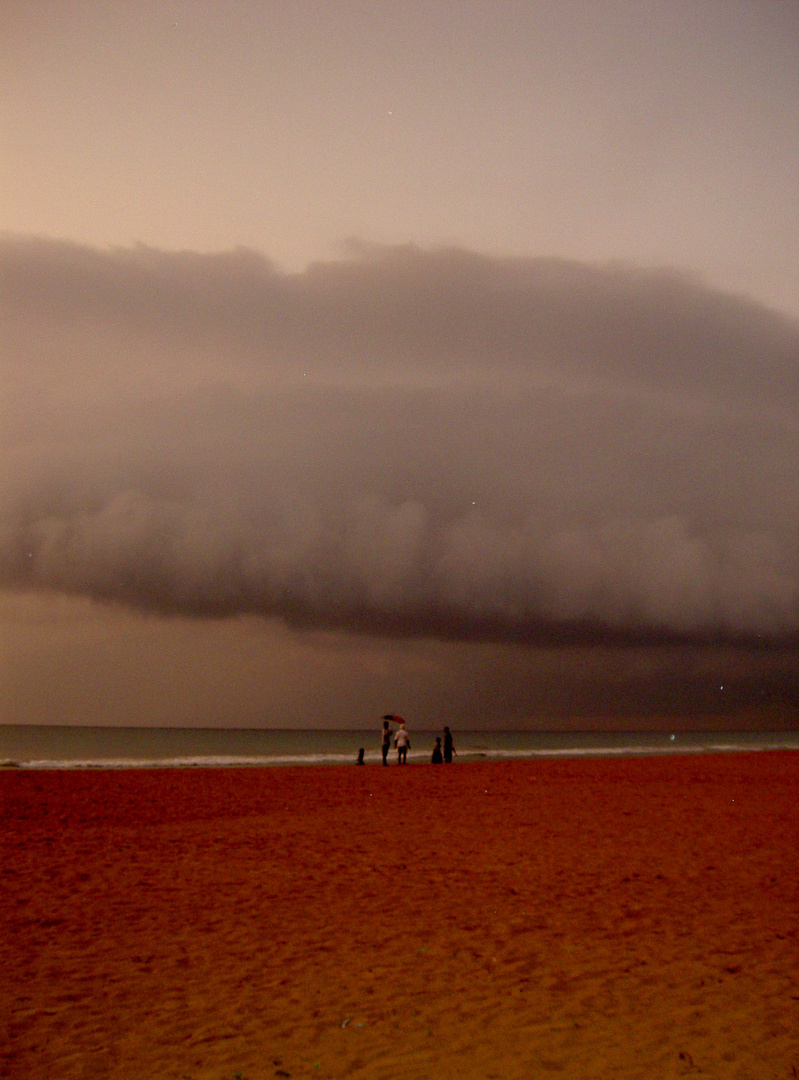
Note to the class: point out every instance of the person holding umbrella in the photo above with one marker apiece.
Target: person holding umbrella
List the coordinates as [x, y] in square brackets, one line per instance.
[387, 733]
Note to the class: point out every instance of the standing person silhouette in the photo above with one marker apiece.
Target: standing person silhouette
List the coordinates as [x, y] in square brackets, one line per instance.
[385, 746]
[437, 759]
[402, 743]
[449, 746]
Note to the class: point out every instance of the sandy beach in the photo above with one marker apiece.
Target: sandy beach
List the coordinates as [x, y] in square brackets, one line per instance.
[589, 918]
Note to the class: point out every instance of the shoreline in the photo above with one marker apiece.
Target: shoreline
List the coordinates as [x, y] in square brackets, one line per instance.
[602, 917]
[159, 748]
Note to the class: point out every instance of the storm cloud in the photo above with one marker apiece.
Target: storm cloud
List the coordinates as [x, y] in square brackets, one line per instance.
[406, 442]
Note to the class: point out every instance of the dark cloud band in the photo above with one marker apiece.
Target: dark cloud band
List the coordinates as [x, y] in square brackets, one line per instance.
[406, 442]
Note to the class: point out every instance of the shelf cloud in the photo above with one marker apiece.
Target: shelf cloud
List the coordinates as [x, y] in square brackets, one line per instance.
[403, 442]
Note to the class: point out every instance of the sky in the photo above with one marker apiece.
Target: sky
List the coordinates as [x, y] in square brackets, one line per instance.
[432, 358]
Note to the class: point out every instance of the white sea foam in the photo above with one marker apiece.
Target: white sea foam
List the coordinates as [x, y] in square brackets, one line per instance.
[466, 755]
[129, 748]
[210, 762]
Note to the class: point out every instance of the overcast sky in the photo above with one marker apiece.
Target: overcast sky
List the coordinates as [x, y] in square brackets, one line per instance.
[434, 358]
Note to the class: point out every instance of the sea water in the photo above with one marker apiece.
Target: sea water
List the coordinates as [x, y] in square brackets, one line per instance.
[123, 747]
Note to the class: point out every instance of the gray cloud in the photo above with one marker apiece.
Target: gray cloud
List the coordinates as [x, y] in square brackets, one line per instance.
[406, 442]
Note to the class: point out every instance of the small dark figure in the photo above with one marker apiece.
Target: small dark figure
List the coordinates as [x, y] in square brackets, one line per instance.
[449, 746]
[386, 744]
[438, 758]
[360, 760]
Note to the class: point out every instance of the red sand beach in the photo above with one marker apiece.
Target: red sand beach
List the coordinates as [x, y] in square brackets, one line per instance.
[588, 918]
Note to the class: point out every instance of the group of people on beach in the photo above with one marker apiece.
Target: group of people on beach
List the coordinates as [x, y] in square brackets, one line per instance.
[441, 754]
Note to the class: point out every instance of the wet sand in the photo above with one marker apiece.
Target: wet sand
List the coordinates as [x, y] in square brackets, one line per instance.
[588, 918]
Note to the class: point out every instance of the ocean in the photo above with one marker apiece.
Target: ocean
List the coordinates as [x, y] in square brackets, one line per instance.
[40, 747]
